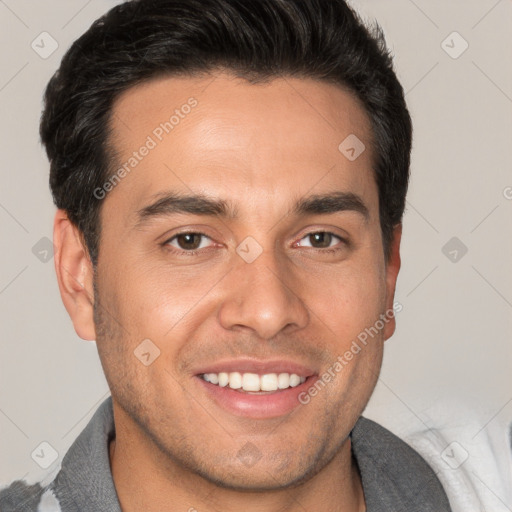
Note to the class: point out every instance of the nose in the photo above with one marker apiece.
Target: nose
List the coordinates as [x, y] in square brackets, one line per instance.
[260, 298]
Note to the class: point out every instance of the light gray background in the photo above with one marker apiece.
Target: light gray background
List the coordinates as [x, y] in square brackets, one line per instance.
[453, 345]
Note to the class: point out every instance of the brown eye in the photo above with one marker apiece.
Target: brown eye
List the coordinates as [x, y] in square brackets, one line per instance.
[188, 241]
[320, 240]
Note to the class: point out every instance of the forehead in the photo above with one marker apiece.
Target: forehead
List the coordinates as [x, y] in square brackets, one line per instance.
[223, 136]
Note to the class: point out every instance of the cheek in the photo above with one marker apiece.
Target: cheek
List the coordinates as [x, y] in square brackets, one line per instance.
[350, 300]
[158, 303]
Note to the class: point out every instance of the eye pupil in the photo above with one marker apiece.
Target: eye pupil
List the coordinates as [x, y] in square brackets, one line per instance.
[323, 238]
[189, 240]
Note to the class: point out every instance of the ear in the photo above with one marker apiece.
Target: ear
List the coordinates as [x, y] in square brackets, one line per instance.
[74, 275]
[392, 269]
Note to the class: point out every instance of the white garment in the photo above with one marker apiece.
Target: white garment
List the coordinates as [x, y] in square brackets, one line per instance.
[472, 456]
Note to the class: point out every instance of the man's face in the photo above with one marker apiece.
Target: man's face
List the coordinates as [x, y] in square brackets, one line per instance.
[264, 288]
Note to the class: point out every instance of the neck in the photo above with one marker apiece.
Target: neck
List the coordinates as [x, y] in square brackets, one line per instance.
[145, 479]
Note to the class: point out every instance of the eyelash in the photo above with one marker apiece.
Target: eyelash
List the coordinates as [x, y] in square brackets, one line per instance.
[196, 251]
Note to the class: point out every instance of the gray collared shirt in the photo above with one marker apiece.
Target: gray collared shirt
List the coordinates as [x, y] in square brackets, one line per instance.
[395, 478]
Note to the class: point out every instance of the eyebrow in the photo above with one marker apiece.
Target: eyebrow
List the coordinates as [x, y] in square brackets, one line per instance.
[199, 204]
[331, 203]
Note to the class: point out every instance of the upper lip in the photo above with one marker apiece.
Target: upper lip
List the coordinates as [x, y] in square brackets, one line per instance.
[248, 365]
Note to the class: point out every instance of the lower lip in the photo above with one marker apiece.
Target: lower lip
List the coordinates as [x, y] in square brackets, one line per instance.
[269, 405]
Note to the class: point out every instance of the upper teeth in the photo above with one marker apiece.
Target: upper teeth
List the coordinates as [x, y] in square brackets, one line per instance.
[253, 381]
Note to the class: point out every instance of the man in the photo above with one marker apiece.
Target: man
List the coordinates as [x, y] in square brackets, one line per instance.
[230, 178]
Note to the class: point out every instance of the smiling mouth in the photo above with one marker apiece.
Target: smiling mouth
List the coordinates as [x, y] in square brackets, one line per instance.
[254, 383]
[255, 389]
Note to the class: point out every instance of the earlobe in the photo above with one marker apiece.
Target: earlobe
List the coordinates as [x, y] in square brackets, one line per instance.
[392, 269]
[75, 275]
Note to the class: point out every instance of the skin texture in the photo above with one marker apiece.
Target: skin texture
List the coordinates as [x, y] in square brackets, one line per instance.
[263, 147]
